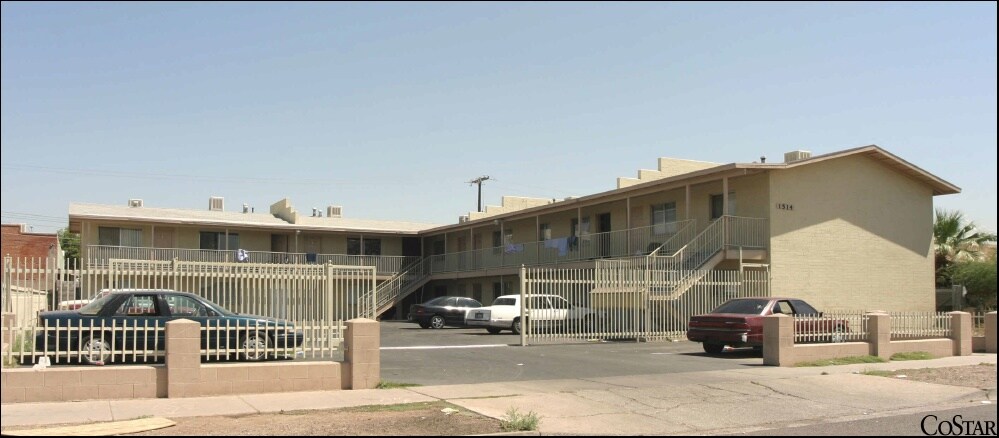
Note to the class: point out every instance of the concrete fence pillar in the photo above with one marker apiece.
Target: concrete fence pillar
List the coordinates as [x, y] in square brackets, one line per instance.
[778, 340]
[960, 328]
[362, 358]
[990, 332]
[8, 335]
[183, 358]
[879, 334]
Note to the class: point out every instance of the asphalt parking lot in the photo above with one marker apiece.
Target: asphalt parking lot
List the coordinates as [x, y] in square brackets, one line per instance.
[458, 356]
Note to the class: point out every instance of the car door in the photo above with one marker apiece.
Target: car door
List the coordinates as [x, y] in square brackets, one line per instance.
[187, 307]
[136, 321]
[540, 311]
[453, 313]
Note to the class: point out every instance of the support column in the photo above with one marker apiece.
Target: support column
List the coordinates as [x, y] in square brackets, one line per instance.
[879, 334]
[990, 332]
[183, 358]
[778, 340]
[686, 209]
[960, 327]
[362, 359]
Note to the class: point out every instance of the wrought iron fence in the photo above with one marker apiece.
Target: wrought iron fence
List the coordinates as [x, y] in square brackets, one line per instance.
[920, 325]
[831, 327]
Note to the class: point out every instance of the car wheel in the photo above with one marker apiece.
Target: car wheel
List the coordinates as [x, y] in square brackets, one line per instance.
[95, 350]
[839, 335]
[516, 326]
[254, 346]
[424, 324]
[493, 330]
[437, 322]
[713, 348]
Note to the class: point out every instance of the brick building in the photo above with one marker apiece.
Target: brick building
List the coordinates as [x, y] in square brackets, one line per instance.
[19, 243]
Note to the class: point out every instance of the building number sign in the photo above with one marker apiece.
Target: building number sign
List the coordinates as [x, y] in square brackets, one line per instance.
[783, 206]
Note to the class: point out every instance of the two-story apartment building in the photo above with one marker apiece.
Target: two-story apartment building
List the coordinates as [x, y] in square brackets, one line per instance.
[849, 229]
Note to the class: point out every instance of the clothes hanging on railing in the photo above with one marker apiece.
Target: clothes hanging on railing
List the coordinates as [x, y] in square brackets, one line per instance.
[310, 257]
[562, 244]
[242, 255]
[512, 248]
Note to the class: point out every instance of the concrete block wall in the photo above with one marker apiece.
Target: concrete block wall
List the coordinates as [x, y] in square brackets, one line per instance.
[779, 348]
[23, 385]
[183, 374]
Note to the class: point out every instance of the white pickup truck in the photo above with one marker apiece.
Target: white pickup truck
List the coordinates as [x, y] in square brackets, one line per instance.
[547, 311]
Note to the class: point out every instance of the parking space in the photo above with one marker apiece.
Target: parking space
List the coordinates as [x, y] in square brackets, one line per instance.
[458, 356]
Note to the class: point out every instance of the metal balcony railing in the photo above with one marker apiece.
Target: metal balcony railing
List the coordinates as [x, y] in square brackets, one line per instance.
[99, 255]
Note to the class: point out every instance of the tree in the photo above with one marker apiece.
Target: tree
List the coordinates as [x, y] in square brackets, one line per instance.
[979, 278]
[954, 240]
[70, 243]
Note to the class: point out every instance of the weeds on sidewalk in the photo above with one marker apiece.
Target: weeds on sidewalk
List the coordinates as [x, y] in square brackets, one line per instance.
[384, 384]
[878, 373]
[912, 355]
[514, 421]
[841, 361]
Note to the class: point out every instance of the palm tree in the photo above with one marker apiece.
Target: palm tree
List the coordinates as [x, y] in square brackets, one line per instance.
[955, 240]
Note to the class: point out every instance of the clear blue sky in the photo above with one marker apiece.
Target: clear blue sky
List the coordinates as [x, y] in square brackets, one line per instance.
[388, 109]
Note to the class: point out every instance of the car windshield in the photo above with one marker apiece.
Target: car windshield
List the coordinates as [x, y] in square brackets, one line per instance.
[505, 302]
[746, 307]
[95, 306]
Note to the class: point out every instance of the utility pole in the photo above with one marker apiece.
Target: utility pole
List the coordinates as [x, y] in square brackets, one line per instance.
[479, 181]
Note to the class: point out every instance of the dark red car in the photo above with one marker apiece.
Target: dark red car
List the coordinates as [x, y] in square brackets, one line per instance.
[739, 322]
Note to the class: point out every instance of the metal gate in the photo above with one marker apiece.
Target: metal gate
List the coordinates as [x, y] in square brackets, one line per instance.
[314, 298]
[620, 299]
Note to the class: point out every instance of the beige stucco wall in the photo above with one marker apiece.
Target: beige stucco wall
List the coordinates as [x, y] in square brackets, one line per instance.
[858, 237]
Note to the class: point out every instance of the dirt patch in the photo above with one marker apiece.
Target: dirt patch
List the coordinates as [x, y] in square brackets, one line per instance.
[415, 419]
[982, 376]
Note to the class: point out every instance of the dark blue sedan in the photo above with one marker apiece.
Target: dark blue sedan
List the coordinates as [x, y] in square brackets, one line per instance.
[131, 323]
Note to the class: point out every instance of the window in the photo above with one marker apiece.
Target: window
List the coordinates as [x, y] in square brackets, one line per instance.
[113, 236]
[372, 247]
[359, 246]
[468, 302]
[353, 246]
[560, 303]
[438, 247]
[782, 307]
[663, 218]
[802, 308]
[477, 292]
[217, 241]
[505, 302]
[717, 205]
[451, 302]
[138, 305]
[544, 232]
[538, 303]
[185, 306]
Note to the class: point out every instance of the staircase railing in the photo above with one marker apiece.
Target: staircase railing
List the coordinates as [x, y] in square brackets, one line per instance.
[667, 275]
[388, 291]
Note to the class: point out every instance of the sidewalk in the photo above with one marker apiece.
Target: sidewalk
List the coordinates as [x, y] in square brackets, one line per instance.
[681, 403]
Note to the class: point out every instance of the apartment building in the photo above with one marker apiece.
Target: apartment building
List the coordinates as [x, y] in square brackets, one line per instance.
[849, 229]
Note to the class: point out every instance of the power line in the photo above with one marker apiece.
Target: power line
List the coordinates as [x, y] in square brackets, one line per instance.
[188, 177]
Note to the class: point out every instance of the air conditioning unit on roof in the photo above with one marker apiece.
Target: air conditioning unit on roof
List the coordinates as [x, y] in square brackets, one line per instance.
[334, 211]
[135, 203]
[216, 203]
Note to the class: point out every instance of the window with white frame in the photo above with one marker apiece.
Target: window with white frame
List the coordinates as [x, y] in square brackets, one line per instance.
[663, 218]
[215, 240]
[114, 236]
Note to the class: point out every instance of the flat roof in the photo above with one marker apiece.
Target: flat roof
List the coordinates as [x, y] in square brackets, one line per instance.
[180, 216]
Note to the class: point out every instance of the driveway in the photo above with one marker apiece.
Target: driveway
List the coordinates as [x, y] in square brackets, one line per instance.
[461, 356]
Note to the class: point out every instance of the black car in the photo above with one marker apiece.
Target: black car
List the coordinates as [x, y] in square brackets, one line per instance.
[442, 311]
[120, 321]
